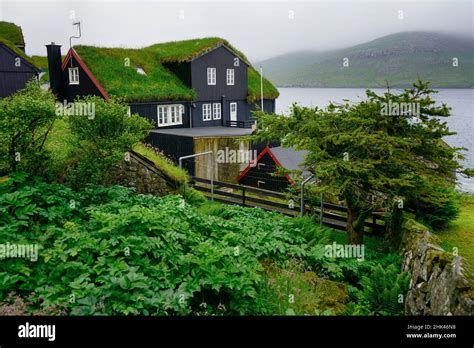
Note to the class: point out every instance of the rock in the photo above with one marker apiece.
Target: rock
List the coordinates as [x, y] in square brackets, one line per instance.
[439, 283]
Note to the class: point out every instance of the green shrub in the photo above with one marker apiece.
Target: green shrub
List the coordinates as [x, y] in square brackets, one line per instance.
[102, 140]
[26, 117]
[384, 291]
[436, 213]
[110, 251]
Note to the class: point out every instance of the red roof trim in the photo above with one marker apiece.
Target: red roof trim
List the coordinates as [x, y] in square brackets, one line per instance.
[255, 161]
[73, 53]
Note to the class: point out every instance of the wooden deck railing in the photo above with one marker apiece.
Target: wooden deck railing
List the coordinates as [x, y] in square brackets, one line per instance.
[333, 215]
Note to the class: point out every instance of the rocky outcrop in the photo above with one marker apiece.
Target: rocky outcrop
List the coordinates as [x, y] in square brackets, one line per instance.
[143, 175]
[440, 282]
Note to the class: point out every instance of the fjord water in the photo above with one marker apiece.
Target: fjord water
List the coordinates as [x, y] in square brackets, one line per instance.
[461, 120]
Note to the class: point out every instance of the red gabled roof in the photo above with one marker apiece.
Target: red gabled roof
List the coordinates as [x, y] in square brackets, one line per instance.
[73, 53]
[266, 150]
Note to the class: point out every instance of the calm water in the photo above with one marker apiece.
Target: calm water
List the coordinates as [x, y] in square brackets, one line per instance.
[460, 100]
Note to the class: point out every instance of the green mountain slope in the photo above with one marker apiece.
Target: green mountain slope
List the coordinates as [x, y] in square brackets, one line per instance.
[397, 59]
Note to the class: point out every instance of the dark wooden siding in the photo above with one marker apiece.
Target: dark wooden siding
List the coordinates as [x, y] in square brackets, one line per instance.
[174, 146]
[150, 111]
[84, 88]
[12, 77]
[182, 70]
[221, 59]
[262, 172]
[268, 105]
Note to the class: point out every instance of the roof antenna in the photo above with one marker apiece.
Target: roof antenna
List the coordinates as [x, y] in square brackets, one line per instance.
[75, 25]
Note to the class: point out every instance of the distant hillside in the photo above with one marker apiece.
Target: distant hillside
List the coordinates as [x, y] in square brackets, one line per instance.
[399, 59]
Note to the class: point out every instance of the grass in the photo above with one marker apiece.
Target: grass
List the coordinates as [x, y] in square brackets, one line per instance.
[293, 289]
[59, 144]
[110, 67]
[40, 62]
[269, 91]
[460, 233]
[184, 51]
[11, 32]
[175, 173]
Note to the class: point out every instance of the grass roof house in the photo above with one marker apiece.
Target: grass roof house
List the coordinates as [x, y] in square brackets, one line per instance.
[188, 89]
[16, 68]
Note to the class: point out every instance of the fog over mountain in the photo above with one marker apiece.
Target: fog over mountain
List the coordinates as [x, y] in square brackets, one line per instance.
[261, 29]
[445, 60]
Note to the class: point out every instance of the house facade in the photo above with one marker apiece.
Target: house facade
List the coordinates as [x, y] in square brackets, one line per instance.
[15, 68]
[199, 94]
[216, 77]
[263, 171]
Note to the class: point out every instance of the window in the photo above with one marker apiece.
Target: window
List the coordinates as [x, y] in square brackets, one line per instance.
[230, 77]
[73, 76]
[216, 111]
[170, 115]
[206, 112]
[211, 76]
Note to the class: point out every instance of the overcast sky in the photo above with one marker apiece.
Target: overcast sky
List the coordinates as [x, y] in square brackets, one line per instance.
[260, 29]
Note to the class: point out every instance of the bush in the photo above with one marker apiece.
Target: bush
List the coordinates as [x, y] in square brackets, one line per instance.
[102, 140]
[109, 251]
[26, 117]
[436, 213]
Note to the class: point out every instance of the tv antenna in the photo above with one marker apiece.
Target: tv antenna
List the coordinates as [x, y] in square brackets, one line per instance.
[75, 25]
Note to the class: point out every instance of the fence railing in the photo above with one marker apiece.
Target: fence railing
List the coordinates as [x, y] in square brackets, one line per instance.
[240, 124]
[333, 215]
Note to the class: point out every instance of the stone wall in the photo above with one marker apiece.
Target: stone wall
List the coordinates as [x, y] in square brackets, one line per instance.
[440, 282]
[143, 175]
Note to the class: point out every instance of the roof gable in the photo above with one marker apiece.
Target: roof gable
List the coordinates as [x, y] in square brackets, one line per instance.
[265, 152]
[15, 52]
[73, 55]
[287, 158]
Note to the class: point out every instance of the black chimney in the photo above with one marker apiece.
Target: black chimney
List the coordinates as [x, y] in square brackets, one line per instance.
[54, 64]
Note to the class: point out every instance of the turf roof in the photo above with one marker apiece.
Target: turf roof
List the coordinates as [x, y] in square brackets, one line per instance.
[116, 71]
[109, 67]
[17, 51]
[12, 32]
[12, 36]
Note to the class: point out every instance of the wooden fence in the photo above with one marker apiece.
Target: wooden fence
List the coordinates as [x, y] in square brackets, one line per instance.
[333, 215]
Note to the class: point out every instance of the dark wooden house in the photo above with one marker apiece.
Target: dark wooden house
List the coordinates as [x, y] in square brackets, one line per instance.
[186, 84]
[263, 171]
[16, 69]
[193, 89]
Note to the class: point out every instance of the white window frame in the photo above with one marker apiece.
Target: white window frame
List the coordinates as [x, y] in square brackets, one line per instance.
[216, 111]
[231, 105]
[211, 76]
[73, 76]
[230, 77]
[169, 115]
[206, 112]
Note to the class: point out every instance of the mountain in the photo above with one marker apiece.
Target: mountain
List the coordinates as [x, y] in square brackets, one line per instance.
[397, 59]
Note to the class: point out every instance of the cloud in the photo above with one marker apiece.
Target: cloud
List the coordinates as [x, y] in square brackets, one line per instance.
[259, 28]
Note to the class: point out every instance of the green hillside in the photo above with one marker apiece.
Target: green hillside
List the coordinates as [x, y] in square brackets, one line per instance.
[398, 59]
